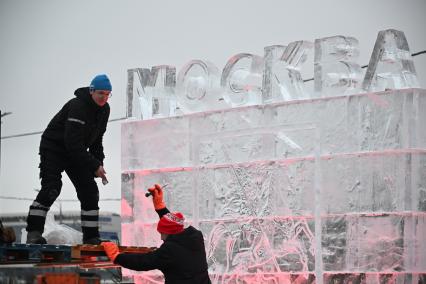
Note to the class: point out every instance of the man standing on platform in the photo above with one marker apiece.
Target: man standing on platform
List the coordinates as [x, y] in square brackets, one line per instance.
[72, 142]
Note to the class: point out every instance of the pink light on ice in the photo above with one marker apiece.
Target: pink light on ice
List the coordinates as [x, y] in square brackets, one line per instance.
[126, 210]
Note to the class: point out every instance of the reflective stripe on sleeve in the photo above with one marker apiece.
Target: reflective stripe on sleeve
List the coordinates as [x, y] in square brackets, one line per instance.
[76, 120]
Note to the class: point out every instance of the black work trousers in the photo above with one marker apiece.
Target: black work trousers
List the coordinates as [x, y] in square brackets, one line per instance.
[52, 165]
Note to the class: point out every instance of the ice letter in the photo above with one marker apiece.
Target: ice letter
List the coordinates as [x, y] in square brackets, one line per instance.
[391, 65]
[198, 86]
[242, 80]
[335, 67]
[155, 92]
[282, 80]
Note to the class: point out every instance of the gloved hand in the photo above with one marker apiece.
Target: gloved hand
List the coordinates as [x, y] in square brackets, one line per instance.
[157, 197]
[111, 250]
[100, 172]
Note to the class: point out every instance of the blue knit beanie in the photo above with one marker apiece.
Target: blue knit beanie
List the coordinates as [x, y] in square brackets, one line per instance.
[101, 82]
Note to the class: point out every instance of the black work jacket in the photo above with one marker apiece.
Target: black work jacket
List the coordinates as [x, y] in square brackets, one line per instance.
[181, 258]
[78, 126]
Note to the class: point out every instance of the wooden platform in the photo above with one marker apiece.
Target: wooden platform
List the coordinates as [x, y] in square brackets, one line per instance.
[87, 256]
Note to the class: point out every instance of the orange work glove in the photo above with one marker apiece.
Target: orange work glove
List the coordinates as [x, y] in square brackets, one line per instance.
[157, 197]
[111, 250]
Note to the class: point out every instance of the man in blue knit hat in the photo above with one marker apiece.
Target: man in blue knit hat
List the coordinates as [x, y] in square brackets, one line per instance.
[72, 142]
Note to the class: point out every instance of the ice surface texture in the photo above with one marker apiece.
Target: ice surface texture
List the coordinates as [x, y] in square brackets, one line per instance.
[328, 190]
[271, 186]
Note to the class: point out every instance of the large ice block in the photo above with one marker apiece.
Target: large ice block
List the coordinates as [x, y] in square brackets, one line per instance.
[264, 278]
[161, 143]
[313, 191]
[238, 191]
[374, 242]
[356, 123]
[363, 243]
[270, 245]
[385, 181]
[375, 277]
[228, 191]
[233, 170]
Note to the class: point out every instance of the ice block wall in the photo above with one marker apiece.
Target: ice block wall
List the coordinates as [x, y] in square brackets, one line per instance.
[329, 190]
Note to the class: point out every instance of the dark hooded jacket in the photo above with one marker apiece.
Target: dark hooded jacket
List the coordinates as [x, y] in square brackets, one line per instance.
[78, 126]
[181, 258]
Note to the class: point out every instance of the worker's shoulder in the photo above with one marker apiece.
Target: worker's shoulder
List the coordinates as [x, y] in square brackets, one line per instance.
[77, 105]
[193, 230]
[75, 112]
[165, 248]
[76, 102]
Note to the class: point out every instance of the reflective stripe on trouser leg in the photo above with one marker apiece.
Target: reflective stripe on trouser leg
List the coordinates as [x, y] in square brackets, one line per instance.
[90, 212]
[51, 166]
[88, 194]
[39, 205]
[37, 212]
[37, 217]
[90, 223]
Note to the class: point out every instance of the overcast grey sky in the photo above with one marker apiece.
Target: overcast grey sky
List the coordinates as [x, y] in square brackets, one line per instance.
[49, 48]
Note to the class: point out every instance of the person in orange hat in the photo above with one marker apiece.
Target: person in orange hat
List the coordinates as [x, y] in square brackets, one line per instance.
[181, 257]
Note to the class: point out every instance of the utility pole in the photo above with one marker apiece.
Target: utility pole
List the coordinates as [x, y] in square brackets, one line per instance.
[60, 212]
[1, 122]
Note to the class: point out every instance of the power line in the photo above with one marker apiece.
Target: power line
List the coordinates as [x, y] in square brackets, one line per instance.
[365, 66]
[23, 134]
[6, 113]
[123, 118]
[40, 132]
[60, 200]
[418, 53]
[117, 119]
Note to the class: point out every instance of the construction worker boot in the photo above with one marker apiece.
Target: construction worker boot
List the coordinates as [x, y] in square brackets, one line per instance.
[35, 237]
[7, 235]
